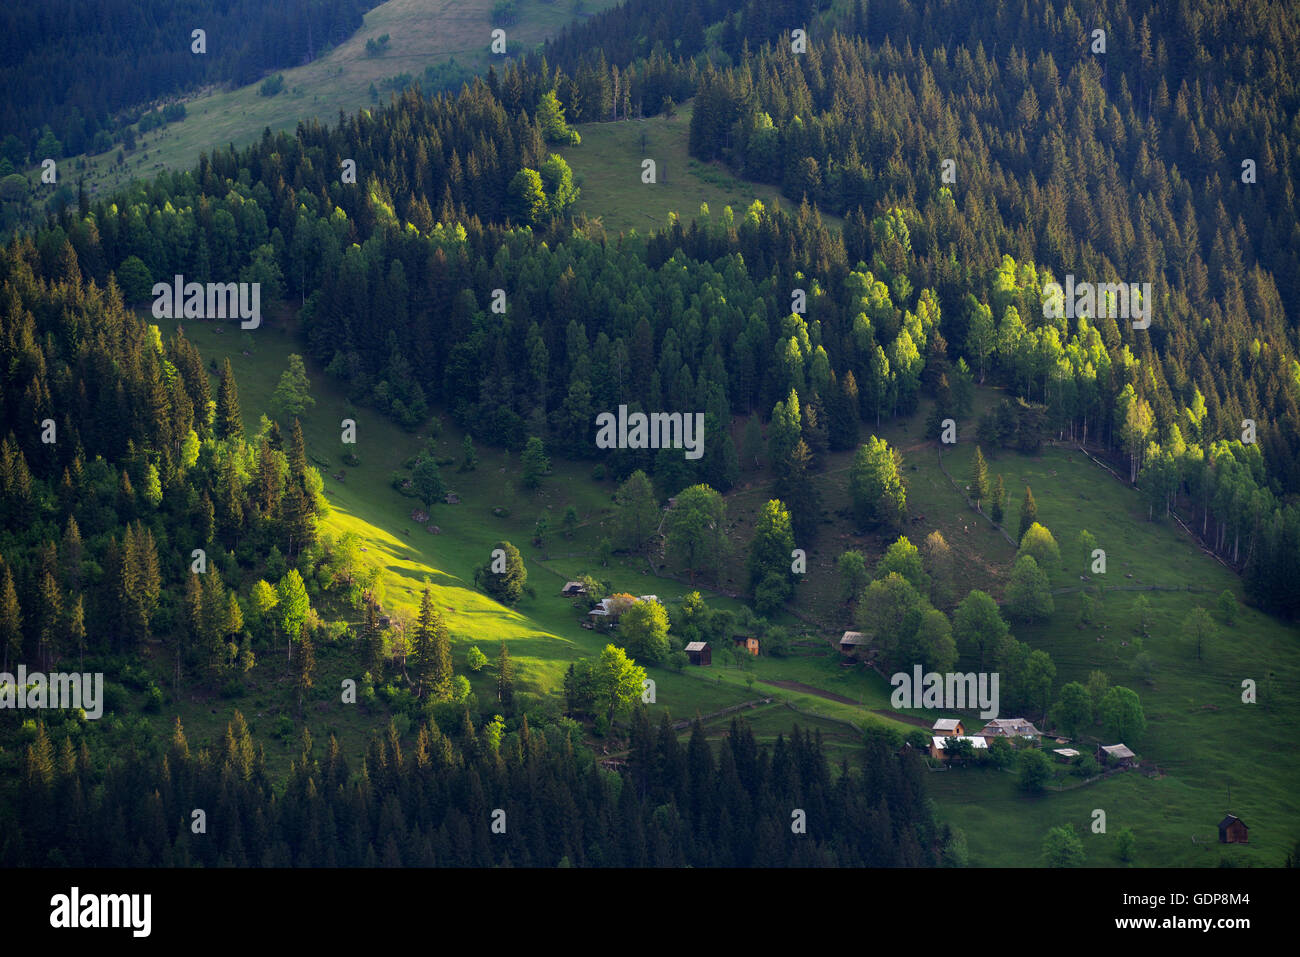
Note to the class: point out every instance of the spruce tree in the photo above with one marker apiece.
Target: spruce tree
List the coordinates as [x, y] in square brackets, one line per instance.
[505, 677]
[432, 651]
[229, 423]
[306, 667]
[76, 630]
[373, 636]
[11, 620]
[1028, 512]
[999, 500]
[979, 477]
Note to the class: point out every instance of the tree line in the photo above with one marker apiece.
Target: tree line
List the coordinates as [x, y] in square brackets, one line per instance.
[504, 795]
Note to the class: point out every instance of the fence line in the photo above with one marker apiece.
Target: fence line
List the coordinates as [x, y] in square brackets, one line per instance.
[962, 492]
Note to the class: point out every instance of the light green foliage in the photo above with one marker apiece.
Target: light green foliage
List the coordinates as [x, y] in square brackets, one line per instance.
[558, 185]
[695, 530]
[978, 625]
[905, 558]
[876, 485]
[1029, 596]
[292, 603]
[637, 514]
[534, 463]
[1062, 848]
[550, 117]
[1122, 716]
[770, 580]
[1199, 627]
[1073, 709]
[643, 629]
[617, 682]
[852, 568]
[1038, 542]
[1032, 769]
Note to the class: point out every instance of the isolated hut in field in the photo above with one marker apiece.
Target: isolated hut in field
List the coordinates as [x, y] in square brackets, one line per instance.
[851, 641]
[699, 653]
[1117, 755]
[573, 589]
[949, 727]
[748, 642]
[1232, 830]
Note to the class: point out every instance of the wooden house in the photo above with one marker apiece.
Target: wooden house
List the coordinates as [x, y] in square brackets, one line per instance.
[1065, 755]
[949, 727]
[699, 653]
[1117, 755]
[573, 589]
[1010, 728]
[1232, 830]
[748, 642]
[852, 641]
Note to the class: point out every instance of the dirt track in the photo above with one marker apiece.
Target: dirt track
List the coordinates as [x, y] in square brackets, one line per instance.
[831, 696]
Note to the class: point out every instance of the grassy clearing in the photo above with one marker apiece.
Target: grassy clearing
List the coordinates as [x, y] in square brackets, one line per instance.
[542, 631]
[422, 33]
[1200, 735]
[607, 165]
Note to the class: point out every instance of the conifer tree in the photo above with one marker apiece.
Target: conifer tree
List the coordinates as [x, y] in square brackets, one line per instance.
[979, 477]
[998, 501]
[432, 651]
[373, 636]
[505, 677]
[230, 425]
[11, 620]
[1028, 512]
[76, 630]
[306, 667]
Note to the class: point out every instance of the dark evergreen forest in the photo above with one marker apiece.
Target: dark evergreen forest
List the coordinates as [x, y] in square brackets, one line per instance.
[432, 806]
[61, 61]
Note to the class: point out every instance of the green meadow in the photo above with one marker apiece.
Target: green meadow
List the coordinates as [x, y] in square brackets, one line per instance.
[422, 33]
[1201, 737]
[607, 166]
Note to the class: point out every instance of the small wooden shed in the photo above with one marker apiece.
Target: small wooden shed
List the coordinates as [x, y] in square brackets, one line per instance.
[851, 641]
[1233, 830]
[949, 727]
[748, 642]
[699, 653]
[1116, 754]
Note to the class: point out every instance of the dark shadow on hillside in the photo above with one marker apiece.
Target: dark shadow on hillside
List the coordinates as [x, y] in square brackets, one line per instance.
[433, 576]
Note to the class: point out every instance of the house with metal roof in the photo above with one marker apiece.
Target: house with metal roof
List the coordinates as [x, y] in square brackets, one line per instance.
[1010, 728]
[1116, 754]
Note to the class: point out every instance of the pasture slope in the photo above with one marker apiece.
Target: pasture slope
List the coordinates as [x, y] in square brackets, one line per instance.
[422, 33]
[1203, 739]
